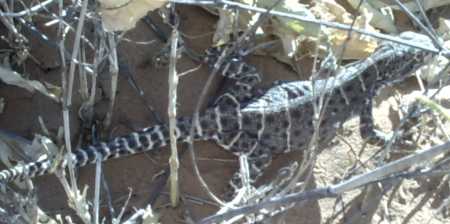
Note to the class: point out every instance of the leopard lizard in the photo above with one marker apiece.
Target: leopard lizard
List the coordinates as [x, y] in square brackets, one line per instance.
[279, 120]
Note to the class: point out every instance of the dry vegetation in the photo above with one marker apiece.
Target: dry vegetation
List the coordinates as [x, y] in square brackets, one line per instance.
[76, 72]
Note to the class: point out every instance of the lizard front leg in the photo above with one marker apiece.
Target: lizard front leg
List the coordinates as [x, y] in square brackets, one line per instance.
[367, 126]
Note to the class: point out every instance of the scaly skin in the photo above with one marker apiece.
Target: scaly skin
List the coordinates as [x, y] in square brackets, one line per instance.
[278, 121]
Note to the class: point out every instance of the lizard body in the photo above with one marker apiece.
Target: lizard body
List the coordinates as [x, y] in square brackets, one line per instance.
[278, 121]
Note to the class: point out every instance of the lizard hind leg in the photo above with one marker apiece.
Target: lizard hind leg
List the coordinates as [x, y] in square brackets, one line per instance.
[235, 68]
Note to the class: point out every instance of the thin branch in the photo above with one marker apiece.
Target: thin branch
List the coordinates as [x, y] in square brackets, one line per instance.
[202, 99]
[379, 174]
[65, 108]
[432, 35]
[28, 12]
[114, 71]
[172, 112]
[391, 168]
[227, 3]
[195, 118]
[273, 202]
[75, 50]
[425, 18]
[98, 175]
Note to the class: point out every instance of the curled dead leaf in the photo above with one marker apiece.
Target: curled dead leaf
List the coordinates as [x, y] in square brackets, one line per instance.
[380, 18]
[298, 37]
[13, 78]
[121, 15]
[357, 46]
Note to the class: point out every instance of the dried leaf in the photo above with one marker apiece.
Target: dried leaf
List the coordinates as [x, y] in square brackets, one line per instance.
[144, 216]
[300, 38]
[432, 72]
[358, 46]
[224, 27]
[412, 6]
[13, 78]
[379, 19]
[292, 32]
[286, 29]
[293, 7]
[13, 147]
[121, 15]
[386, 23]
[444, 29]
[16, 148]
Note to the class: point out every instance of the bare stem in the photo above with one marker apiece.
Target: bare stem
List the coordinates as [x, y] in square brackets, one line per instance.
[376, 175]
[172, 112]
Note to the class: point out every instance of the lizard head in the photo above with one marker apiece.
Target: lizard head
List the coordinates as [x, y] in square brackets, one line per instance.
[419, 40]
[402, 60]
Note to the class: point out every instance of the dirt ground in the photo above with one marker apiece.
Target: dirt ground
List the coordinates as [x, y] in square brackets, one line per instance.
[412, 201]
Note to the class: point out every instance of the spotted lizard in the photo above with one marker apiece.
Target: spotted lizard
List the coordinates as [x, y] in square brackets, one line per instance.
[279, 120]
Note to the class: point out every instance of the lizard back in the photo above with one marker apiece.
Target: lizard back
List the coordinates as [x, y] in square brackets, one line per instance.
[286, 110]
[280, 120]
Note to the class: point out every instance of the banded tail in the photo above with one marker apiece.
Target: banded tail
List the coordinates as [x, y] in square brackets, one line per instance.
[147, 139]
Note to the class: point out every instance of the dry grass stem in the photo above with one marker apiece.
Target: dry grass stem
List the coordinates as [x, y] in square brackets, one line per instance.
[172, 112]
